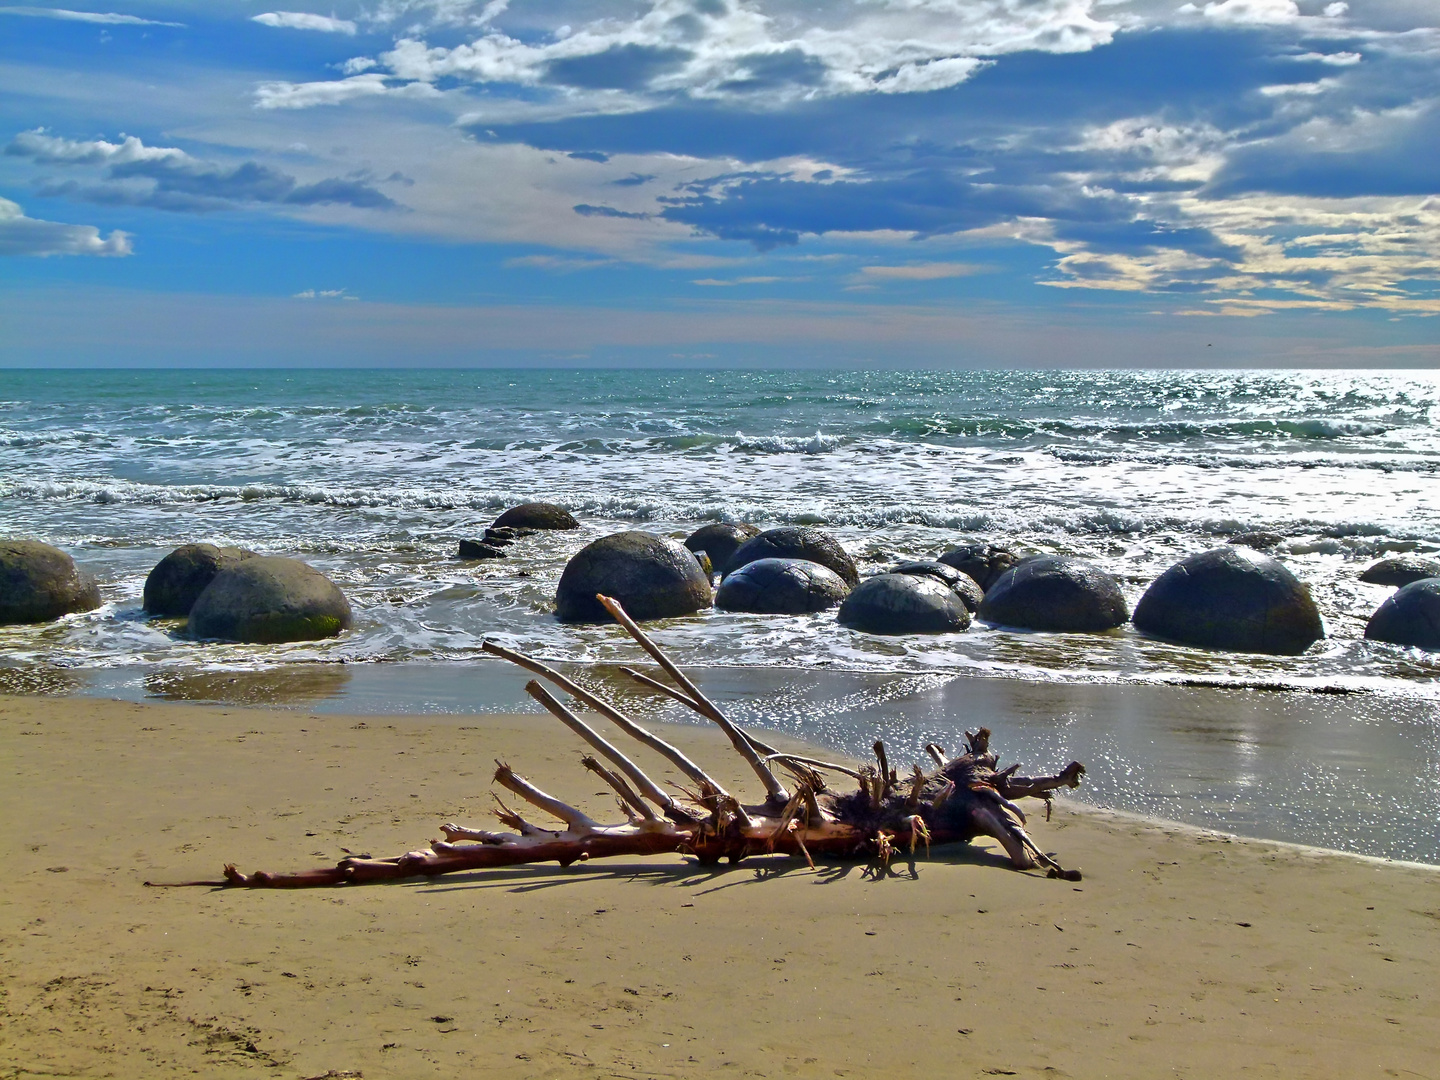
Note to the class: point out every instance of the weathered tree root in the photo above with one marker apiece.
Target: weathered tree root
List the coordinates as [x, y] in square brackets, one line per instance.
[963, 798]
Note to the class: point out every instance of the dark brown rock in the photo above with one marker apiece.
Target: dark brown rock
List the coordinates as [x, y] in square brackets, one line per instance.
[1400, 570]
[1055, 593]
[267, 599]
[720, 540]
[781, 587]
[652, 577]
[478, 549]
[1411, 616]
[178, 579]
[903, 604]
[39, 583]
[959, 582]
[1231, 598]
[536, 515]
[796, 542]
[983, 562]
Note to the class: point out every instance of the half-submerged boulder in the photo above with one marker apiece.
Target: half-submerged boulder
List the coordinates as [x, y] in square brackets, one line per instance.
[983, 562]
[1052, 592]
[1400, 570]
[1231, 598]
[781, 587]
[536, 515]
[720, 540]
[796, 542]
[903, 604]
[1411, 616]
[957, 581]
[652, 577]
[266, 600]
[479, 549]
[39, 583]
[178, 579]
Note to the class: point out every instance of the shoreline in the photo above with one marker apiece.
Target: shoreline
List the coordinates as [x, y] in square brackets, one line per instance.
[1342, 772]
[956, 965]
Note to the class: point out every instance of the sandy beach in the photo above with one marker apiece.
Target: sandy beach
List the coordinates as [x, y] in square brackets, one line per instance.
[1181, 953]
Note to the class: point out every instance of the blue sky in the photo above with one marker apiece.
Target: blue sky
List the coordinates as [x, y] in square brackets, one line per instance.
[880, 182]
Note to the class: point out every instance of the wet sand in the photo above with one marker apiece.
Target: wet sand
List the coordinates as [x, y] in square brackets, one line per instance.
[1181, 953]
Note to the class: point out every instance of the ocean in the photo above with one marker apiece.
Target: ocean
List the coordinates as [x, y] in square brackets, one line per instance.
[374, 476]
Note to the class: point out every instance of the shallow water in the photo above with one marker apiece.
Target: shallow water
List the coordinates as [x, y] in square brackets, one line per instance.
[374, 476]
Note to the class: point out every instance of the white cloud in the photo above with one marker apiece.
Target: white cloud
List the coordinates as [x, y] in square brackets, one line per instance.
[288, 95]
[21, 235]
[324, 294]
[50, 150]
[1251, 12]
[303, 20]
[1339, 59]
[728, 49]
[107, 18]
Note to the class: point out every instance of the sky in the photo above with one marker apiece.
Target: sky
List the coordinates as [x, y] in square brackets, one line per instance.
[887, 183]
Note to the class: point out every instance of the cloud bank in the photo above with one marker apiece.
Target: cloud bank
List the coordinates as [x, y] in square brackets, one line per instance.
[21, 235]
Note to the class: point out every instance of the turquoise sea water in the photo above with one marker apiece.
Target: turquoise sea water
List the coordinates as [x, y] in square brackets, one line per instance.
[374, 476]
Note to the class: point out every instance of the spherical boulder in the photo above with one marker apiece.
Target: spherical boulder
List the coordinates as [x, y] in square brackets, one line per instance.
[781, 587]
[1400, 570]
[958, 582]
[652, 577]
[984, 563]
[720, 540]
[180, 577]
[1411, 616]
[1052, 592]
[266, 600]
[796, 542]
[39, 583]
[536, 515]
[903, 604]
[1231, 598]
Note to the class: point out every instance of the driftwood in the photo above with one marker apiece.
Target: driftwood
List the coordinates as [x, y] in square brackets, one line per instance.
[962, 798]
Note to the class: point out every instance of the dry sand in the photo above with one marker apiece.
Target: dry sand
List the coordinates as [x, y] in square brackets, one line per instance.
[1181, 953]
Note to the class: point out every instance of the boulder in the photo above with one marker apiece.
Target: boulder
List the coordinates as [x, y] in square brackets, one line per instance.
[1231, 598]
[958, 582]
[720, 540]
[654, 578]
[39, 583]
[478, 549]
[1400, 570]
[179, 578]
[983, 562]
[796, 542]
[1052, 592]
[266, 599]
[903, 604]
[781, 587]
[1411, 616]
[536, 515]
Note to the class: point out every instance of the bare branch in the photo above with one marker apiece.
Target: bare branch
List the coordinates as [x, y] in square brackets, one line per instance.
[507, 779]
[627, 796]
[615, 716]
[774, 790]
[648, 787]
